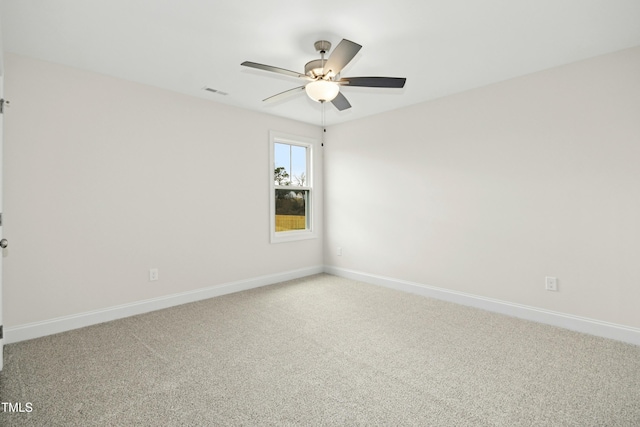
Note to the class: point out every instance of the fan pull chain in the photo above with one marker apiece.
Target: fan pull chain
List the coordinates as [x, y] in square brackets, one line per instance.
[324, 129]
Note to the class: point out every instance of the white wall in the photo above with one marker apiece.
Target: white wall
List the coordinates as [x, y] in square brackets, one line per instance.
[485, 192]
[106, 178]
[489, 191]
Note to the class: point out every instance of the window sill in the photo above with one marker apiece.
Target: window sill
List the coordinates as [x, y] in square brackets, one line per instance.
[292, 236]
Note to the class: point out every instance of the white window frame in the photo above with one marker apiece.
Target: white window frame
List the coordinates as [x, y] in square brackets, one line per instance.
[310, 231]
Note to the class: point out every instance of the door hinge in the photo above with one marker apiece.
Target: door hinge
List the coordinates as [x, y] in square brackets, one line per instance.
[2, 103]
[1, 335]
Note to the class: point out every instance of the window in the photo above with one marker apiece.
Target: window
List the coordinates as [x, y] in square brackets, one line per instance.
[291, 187]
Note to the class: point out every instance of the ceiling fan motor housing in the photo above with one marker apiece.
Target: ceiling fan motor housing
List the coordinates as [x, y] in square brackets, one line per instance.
[314, 68]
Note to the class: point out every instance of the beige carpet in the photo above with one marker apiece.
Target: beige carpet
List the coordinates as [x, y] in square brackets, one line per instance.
[322, 351]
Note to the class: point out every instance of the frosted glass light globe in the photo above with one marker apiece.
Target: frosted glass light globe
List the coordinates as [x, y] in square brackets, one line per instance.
[322, 90]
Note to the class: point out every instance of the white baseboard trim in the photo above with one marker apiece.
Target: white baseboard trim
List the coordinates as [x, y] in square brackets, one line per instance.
[585, 325]
[29, 331]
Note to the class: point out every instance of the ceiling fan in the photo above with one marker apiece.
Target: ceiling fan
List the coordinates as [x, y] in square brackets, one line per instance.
[323, 76]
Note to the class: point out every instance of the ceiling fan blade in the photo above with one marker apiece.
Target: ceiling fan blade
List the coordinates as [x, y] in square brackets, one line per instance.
[285, 94]
[273, 69]
[340, 102]
[341, 56]
[390, 82]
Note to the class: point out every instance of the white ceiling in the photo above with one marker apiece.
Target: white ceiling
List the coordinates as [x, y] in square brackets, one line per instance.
[441, 46]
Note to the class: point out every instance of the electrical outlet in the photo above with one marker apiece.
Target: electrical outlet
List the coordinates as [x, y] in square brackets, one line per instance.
[551, 284]
[153, 274]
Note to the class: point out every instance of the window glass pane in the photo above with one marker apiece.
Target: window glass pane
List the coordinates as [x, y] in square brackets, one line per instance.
[291, 193]
[282, 160]
[298, 165]
[291, 210]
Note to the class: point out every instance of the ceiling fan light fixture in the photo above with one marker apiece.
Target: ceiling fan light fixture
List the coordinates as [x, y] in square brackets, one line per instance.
[322, 77]
[322, 90]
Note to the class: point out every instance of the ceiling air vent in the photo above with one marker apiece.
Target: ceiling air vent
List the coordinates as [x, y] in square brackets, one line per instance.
[212, 90]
